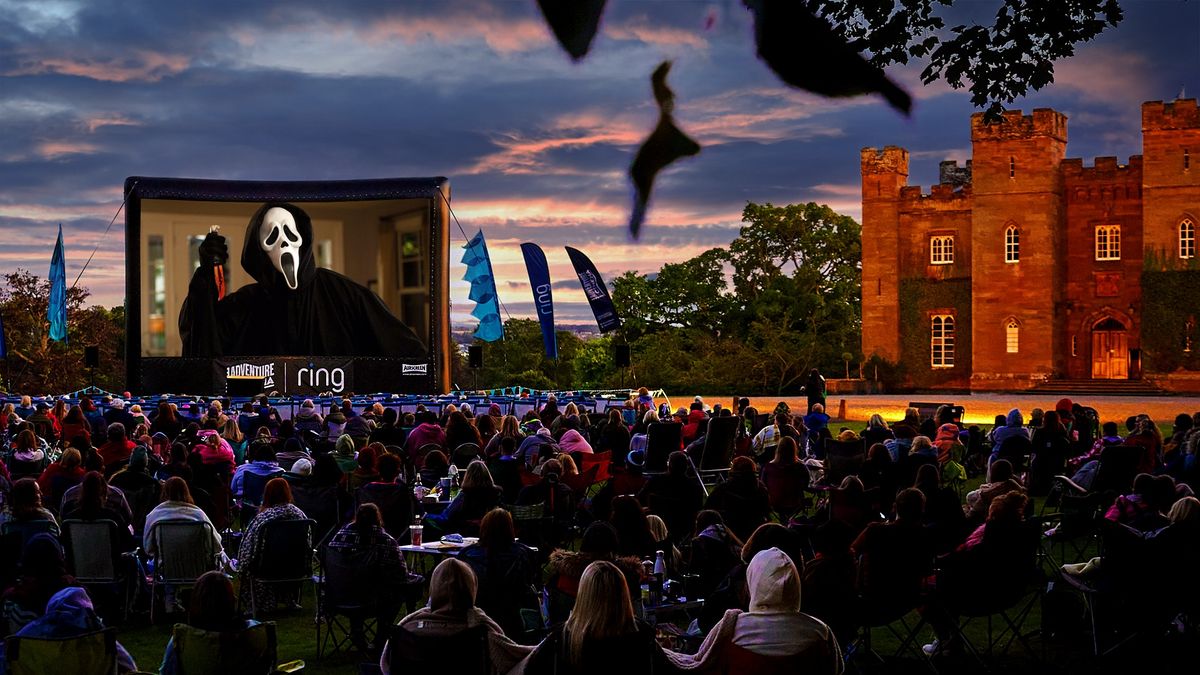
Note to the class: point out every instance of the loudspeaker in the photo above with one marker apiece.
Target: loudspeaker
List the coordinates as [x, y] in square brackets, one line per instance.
[621, 355]
[91, 356]
[475, 356]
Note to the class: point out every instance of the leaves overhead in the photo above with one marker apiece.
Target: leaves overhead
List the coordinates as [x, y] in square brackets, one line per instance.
[665, 144]
[574, 23]
[805, 52]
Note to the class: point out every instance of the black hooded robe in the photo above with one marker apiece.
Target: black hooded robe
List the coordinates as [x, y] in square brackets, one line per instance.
[327, 315]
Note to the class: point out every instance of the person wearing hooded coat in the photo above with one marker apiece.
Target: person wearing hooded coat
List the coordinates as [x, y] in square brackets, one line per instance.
[451, 610]
[69, 613]
[774, 636]
[294, 308]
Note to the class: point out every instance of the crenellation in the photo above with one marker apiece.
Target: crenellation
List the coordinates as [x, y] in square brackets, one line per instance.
[1164, 116]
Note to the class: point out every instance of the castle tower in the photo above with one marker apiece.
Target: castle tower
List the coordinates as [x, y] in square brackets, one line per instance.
[884, 172]
[1016, 290]
[1170, 175]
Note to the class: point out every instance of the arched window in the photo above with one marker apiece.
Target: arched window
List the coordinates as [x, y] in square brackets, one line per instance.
[1108, 242]
[1012, 244]
[1012, 336]
[941, 341]
[941, 250]
[1187, 238]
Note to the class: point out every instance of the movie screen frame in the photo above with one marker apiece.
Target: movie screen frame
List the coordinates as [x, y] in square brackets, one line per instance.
[205, 375]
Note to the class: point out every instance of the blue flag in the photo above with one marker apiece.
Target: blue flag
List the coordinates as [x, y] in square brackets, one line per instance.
[483, 289]
[543, 301]
[596, 291]
[57, 313]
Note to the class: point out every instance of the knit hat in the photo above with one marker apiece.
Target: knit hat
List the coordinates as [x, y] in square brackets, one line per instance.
[138, 459]
[302, 467]
[494, 410]
[307, 404]
[344, 446]
[118, 404]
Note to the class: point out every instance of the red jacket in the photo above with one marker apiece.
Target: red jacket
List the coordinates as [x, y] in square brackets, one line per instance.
[114, 451]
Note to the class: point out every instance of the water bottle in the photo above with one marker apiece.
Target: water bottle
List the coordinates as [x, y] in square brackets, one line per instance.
[660, 566]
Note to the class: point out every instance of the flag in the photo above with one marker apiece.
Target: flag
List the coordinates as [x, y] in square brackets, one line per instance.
[483, 289]
[543, 301]
[595, 290]
[57, 313]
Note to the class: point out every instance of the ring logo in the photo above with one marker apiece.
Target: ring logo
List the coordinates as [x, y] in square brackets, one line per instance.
[414, 368]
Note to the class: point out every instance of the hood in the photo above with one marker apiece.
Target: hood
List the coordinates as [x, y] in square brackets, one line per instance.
[774, 583]
[1014, 419]
[258, 264]
[947, 432]
[344, 446]
[68, 613]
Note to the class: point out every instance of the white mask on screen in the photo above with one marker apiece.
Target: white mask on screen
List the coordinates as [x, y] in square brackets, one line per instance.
[280, 239]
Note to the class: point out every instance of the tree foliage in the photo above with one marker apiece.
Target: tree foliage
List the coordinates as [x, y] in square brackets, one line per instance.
[37, 364]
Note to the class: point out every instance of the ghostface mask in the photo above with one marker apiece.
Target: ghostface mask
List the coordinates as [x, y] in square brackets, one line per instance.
[280, 239]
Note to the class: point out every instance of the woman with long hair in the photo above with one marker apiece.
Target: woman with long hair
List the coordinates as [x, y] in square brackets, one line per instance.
[74, 424]
[59, 413]
[633, 530]
[510, 427]
[506, 570]
[25, 505]
[61, 476]
[459, 430]
[177, 504]
[613, 436]
[479, 494]
[233, 435]
[276, 506]
[213, 608]
[166, 421]
[786, 478]
[601, 635]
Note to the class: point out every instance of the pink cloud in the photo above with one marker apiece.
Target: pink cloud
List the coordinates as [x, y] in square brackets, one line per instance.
[60, 149]
[503, 34]
[662, 36]
[139, 65]
[94, 122]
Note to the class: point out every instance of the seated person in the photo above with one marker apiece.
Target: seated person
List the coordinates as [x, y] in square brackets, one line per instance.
[1000, 481]
[558, 499]
[601, 635]
[391, 495]
[676, 496]
[25, 505]
[774, 636]
[742, 499]
[276, 506]
[43, 572]
[506, 571]
[177, 504]
[894, 559]
[1143, 509]
[477, 496]
[212, 608]
[262, 455]
[451, 610]
[69, 613]
[93, 505]
[785, 478]
[713, 551]
[566, 567]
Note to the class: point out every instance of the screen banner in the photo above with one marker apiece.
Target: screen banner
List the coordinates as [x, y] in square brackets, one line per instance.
[596, 291]
[543, 300]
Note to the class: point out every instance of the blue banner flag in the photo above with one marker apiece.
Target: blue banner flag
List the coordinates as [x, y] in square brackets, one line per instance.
[57, 313]
[595, 290]
[543, 301]
[483, 289]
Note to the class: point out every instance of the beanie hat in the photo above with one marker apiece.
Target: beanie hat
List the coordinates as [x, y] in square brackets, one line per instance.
[302, 467]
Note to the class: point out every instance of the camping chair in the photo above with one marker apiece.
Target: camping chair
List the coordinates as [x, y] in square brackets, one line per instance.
[24, 530]
[410, 652]
[464, 454]
[535, 526]
[251, 651]
[184, 550]
[662, 438]
[287, 556]
[1080, 510]
[348, 586]
[320, 504]
[253, 487]
[843, 459]
[92, 653]
[93, 557]
[718, 447]
[600, 461]
[425, 450]
[395, 505]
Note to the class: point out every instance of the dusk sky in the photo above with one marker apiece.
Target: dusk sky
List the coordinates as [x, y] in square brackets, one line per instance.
[536, 147]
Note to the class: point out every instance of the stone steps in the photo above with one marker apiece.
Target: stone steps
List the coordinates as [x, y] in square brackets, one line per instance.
[1099, 388]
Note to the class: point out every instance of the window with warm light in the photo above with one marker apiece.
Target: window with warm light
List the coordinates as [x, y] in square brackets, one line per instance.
[941, 250]
[1108, 242]
[1012, 244]
[941, 341]
[1012, 336]
[1187, 238]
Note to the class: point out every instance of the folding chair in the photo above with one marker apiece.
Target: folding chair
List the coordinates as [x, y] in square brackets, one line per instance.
[253, 487]
[662, 438]
[843, 459]
[94, 559]
[287, 556]
[183, 551]
[92, 653]
[410, 652]
[718, 448]
[252, 650]
[347, 586]
[464, 454]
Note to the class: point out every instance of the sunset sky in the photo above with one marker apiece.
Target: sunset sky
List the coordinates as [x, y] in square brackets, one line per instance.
[536, 147]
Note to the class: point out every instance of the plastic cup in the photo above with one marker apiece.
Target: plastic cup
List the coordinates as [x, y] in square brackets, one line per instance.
[414, 532]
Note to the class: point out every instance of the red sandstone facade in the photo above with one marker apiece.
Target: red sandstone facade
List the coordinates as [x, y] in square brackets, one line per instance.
[1026, 266]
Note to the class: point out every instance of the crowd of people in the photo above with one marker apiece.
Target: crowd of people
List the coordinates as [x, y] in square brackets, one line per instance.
[813, 532]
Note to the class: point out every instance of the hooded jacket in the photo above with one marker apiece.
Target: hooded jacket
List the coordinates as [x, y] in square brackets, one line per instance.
[327, 314]
[69, 613]
[1014, 426]
[774, 636]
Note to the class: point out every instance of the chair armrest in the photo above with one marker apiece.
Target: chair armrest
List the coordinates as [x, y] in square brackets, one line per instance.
[1070, 485]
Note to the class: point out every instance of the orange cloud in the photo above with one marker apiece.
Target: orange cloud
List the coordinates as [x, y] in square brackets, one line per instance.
[503, 34]
[59, 149]
[663, 36]
[94, 122]
[140, 65]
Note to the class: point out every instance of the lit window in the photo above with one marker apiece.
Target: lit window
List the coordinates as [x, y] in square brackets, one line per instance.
[1012, 336]
[1187, 238]
[1074, 345]
[1012, 167]
[1012, 245]
[1108, 242]
[941, 342]
[941, 250]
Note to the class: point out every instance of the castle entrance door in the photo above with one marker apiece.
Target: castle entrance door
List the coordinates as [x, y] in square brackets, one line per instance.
[1110, 351]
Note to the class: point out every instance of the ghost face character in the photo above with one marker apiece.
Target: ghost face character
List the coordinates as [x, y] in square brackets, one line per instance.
[280, 239]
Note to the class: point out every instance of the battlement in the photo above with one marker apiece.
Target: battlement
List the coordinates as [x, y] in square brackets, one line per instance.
[941, 193]
[1015, 126]
[1178, 114]
[891, 159]
[1103, 168]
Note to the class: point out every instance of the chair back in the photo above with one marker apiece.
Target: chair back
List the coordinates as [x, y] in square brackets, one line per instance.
[843, 459]
[719, 443]
[395, 504]
[253, 486]
[184, 550]
[92, 653]
[600, 460]
[1118, 468]
[19, 469]
[250, 651]
[426, 449]
[464, 454]
[1017, 450]
[348, 582]
[418, 653]
[26, 529]
[287, 551]
[662, 438]
[91, 550]
[320, 504]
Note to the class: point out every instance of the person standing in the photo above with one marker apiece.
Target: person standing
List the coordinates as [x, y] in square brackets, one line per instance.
[814, 389]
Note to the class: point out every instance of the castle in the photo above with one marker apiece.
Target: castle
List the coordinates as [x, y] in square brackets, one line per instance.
[1025, 266]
